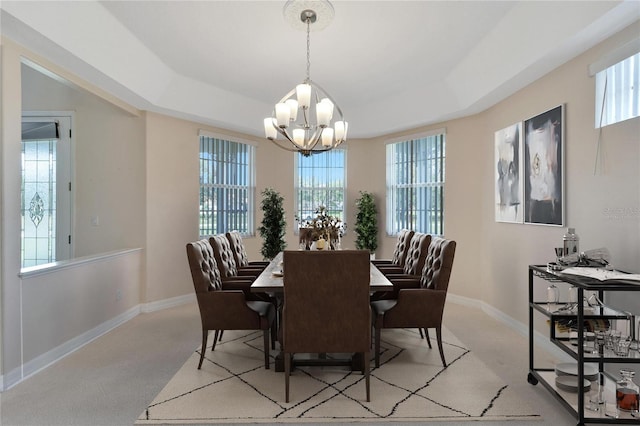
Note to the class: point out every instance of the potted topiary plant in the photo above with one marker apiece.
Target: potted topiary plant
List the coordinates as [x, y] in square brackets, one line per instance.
[366, 223]
[273, 224]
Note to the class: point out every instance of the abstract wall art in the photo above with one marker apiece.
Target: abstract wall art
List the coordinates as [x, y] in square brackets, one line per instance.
[508, 174]
[543, 171]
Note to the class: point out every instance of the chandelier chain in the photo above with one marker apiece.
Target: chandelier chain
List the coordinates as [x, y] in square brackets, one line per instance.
[308, 49]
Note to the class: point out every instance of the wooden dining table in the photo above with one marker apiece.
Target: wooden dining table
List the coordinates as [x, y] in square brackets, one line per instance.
[271, 281]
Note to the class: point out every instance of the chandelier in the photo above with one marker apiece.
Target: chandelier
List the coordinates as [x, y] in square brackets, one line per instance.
[307, 117]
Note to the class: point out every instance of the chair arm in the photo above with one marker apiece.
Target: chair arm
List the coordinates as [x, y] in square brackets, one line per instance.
[386, 270]
[252, 274]
[382, 262]
[416, 307]
[258, 263]
[404, 281]
[236, 283]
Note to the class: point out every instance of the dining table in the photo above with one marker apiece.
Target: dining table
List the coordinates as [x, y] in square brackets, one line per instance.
[271, 281]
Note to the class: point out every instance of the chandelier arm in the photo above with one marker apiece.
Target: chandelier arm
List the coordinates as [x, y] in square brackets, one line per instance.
[315, 138]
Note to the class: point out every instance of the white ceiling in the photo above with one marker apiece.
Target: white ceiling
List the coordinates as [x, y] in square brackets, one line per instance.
[390, 65]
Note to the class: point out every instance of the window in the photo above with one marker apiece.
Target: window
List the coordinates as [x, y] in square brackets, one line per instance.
[618, 92]
[321, 181]
[415, 185]
[227, 186]
[45, 211]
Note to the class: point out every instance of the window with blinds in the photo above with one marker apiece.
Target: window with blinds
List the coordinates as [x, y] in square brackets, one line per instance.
[618, 92]
[321, 181]
[415, 185]
[227, 186]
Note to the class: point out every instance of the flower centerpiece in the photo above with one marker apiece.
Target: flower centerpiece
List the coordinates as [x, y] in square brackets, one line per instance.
[324, 227]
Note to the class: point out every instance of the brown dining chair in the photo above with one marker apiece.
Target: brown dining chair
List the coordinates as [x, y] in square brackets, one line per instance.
[240, 253]
[400, 252]
[225, 260]
[412, 268]
[420, 307]
[414, 260]
[225, 309]
[326, 306]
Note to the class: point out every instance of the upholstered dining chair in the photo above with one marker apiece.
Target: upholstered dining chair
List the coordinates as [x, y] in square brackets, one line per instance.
[326, 306]
[414, 260]
[400, 252]
[225, 309]
[240, 252]
[411, 270]
[420, 307]
[225, 260]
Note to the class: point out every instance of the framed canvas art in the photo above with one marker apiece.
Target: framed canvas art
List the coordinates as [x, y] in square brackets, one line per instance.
[508, 180]
[544, 168]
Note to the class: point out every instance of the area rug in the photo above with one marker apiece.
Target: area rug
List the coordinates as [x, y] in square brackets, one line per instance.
[411, 385]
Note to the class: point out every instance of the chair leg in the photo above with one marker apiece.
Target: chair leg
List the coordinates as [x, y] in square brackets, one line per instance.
[426, 335]
[266, 348]
[274, 333]
[205, 334]
[377, 347]
[421, 335]
[216, 336]
[439, 337]
[287, 371]
[367, 368]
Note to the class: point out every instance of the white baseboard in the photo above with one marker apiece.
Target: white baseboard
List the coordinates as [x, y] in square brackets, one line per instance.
[167, 303]
[540, 340]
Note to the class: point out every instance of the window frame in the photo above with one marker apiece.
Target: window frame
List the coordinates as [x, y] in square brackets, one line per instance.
[342, 214]
[618, 92]
[416, 180]
[246, 183]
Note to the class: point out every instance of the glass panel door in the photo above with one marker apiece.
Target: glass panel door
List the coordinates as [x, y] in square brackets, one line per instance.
[45, 192]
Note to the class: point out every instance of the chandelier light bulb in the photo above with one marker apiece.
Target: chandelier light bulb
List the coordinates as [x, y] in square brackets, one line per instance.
[298, 137]
[327, 137]
[269, 130]
[323, 114]
[341, 131]
[283, 114]
[303, 92]
[293, 105]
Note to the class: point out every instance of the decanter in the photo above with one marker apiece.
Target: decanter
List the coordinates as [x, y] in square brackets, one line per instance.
[627, 392]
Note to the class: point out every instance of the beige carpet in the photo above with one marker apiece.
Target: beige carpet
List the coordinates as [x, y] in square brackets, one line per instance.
[410, 385]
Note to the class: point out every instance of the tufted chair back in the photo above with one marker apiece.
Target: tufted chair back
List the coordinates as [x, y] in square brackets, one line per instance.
[402, 247]
[224, 255]
[417, 253]
[438, 264]
[237, 248]
[204, 270]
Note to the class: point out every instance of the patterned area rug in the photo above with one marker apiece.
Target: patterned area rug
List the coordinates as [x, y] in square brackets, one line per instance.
[410, 385]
